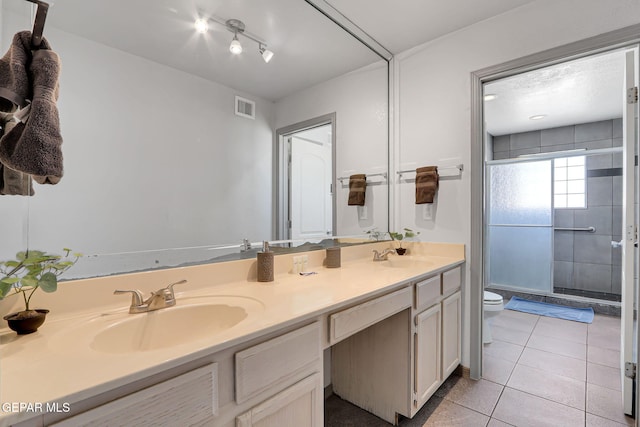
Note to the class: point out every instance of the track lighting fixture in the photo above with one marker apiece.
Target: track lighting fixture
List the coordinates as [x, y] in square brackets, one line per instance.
[237, 27]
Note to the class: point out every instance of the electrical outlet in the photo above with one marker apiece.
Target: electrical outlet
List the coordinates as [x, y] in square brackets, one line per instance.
[427, 212]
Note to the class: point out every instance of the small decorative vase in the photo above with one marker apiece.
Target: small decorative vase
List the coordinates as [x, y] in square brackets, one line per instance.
[401, 251]
[26, 322]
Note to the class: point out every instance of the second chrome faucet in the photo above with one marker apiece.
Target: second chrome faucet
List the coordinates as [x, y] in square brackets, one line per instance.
[159, 299]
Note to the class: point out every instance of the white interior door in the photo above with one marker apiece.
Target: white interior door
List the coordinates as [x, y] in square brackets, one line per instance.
[310, 197]
[629, 121]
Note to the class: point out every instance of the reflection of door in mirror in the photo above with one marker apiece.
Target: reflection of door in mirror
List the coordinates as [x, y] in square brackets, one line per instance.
[310, 184]
[305, 196]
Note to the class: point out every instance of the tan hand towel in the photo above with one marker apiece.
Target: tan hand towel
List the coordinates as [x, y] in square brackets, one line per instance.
[426, 184]
[34, 147]
[357, 188]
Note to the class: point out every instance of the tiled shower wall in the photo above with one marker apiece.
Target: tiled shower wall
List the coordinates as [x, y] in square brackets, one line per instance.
[584, 263]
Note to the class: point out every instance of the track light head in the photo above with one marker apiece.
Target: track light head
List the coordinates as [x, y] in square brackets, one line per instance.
[235, 47]
[266, 53]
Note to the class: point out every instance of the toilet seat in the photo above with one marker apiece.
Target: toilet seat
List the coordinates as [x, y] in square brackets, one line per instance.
[491, 298]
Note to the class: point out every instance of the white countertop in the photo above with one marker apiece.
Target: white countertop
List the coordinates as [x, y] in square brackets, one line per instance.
[57, 363]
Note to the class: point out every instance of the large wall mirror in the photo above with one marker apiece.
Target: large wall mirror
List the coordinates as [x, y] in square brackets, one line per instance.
[159, 169]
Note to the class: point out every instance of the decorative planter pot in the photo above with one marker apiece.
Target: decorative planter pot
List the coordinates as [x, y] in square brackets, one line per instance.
[401, 251]
[26, 322]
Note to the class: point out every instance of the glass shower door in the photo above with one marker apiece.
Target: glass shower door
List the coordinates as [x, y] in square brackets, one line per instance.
[520, 225]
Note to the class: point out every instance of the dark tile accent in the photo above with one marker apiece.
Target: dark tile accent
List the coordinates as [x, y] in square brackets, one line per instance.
[557, 136]
[617, 128]
[592, 249]
[594, 173]
[588, 294]
[599, 191]
[501, 143]
[524, 140]
[594, 131]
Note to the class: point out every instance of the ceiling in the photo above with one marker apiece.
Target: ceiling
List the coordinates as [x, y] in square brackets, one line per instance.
[580, 91]
[310, 49]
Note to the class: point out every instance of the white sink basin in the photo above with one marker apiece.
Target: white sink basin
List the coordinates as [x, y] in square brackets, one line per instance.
[191, 319]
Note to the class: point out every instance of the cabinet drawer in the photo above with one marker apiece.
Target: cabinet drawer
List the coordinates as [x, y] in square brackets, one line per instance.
[428, 292]
[355, 319]
[451, 281]
[277, 362]
[299, 405]
[184, 400]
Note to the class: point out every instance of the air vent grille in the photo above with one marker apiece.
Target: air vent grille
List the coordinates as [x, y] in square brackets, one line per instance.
[245, 108]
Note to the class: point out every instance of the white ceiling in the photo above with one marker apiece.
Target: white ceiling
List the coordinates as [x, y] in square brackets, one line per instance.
[581, 91]
[399, 25]
[310, 49]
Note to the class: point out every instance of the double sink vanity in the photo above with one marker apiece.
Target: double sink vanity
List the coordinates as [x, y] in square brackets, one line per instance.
[237, 352]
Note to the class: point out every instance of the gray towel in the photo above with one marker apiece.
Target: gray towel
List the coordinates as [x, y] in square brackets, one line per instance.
[14, 78]
[34, 147]
[12, 182]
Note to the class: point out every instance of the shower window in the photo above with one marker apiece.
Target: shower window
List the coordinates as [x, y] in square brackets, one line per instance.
[569, 182]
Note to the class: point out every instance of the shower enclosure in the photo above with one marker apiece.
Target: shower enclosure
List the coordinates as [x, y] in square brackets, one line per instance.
[553, 223]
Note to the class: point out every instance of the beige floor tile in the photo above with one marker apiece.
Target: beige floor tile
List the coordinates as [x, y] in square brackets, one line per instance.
[497, 423]
[503, 350]
[562, 329]
[525, 410]
[554, 363]
[604, 339]
[480, 396]
[604, 376]
[553, 387]
[558, 346]
[601, 322]
[496, 370]
[509, 334]
[603, 356]
[449, 414]
[605, 403]
[596, 421]
[516, 320]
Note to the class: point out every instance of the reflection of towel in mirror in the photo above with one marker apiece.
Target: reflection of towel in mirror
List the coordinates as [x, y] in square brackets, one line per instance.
[33, 146]
[14, 78]
[357, 188]
[426, 184]
[12, 182]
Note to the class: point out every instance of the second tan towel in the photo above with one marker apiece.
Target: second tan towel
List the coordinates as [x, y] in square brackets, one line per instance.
[426, 184]
[357, 189]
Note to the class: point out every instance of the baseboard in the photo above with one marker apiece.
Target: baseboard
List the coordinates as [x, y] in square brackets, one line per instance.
[462, 371]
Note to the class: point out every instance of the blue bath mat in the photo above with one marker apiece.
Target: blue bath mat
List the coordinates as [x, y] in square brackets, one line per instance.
[584, 315]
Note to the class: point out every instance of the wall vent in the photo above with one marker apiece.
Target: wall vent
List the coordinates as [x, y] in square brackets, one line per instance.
[245, 108]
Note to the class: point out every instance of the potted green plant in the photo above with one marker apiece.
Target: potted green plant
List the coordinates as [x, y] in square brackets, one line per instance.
[408, 233]
[24, 275]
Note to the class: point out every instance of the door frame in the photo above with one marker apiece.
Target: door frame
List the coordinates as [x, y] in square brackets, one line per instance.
[281, 209]
[624, 37]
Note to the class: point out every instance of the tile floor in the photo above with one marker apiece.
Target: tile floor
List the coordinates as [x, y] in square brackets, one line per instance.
[538, 371]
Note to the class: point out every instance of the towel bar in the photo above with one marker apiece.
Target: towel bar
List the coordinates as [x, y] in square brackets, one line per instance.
[382, 174]
[589, 229]
[456, 170]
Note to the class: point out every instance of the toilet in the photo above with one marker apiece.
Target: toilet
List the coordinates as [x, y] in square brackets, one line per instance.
[493, 305]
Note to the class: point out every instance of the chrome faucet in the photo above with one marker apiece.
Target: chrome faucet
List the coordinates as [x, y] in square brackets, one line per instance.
[382, 256]
[161, 298]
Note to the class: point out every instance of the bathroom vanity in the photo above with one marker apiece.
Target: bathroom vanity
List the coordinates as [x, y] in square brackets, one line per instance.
[237, 352]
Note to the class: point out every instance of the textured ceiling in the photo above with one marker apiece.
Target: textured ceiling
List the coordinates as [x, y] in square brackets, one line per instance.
[579, 91]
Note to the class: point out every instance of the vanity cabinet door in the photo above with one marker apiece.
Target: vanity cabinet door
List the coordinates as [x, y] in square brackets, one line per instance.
[451, 330]
[427, 342]
[300, 405]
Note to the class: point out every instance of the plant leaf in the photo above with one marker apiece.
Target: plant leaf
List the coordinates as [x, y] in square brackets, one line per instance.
[29, 281]
[48, 282]
[5, 287]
